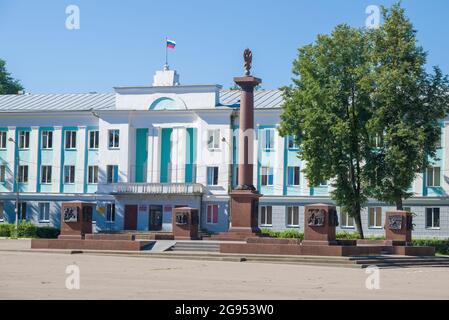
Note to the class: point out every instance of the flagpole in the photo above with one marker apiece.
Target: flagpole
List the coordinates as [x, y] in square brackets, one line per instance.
[166, 52]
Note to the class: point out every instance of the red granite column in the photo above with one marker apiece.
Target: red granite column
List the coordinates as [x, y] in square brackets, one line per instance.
[245, 198]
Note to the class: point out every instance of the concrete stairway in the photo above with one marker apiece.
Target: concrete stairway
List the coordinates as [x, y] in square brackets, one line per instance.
[197, 246]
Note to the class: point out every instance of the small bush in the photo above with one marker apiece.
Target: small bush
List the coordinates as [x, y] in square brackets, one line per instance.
[5, 229]
[27, 230]
[344, 235]
[286, 234]
[441, 246]
[47, 233]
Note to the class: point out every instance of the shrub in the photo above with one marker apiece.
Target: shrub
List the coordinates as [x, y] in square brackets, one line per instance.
[290, 233]
[441, 246]
[5, 229]
[27, 230]
[47, 233]
[344, 235]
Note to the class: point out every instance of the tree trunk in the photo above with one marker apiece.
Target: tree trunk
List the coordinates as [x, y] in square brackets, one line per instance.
[358, 220]
[399, 204]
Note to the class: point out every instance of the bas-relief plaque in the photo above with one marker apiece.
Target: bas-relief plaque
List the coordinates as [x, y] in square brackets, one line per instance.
[395, 222]
[316, 217]
[71, 214]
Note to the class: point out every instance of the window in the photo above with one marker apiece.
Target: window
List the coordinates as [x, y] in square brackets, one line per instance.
[112, 174]
[292, 145]
[212, 214]
[432, 218]
[266, 215]
[93, 175]
[293, 216]
[47, 139]
[2, 173]
[24, 139]
[23, 174]
[212, 176]
[69, 174]
[433, 177]
[114, 139]
[293, 176]
[346, 220]
[2, 213]
[267, 176]
[70, 139]
[110, 212]
[93, 139]
[268, 139]
[44, 212]
[213, 139]
[46, 174]
[22, 210]
[375, 217]
[2, 139]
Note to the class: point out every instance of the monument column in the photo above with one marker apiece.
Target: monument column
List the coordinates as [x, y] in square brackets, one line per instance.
[245, 198]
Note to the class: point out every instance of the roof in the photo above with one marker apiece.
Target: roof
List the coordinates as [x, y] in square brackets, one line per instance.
[57, 102]
[263, 99]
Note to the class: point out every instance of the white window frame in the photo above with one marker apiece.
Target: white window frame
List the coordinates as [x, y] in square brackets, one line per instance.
[46, 138]
[24, 139]
[115, 135]
[92, 175]
[70, 138]
[267, 174]
[24, 172]
[268, 144]
[71, 176]
[344, 219]
[433, 173]
[110, 213]
[293, 169]
[264, 210]
[433, 227]
[3, 140]
[210, 171]
[2, 173]
[213, 139]
[47, 167]
[376, 212]
[212, 207]
[96, 139]
[291, 212]
[113, 174]
[45, 205]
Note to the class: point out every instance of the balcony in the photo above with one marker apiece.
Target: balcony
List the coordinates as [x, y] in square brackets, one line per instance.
[158, 188]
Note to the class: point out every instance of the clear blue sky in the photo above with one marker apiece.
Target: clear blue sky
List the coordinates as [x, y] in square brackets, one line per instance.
[122, 42]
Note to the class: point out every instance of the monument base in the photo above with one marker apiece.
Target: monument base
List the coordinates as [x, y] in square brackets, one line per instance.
[74, 244]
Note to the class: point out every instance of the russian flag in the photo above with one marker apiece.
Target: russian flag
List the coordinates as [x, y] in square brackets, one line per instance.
[171, 44]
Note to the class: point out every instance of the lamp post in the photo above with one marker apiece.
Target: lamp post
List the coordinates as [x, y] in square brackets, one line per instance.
[17, 181]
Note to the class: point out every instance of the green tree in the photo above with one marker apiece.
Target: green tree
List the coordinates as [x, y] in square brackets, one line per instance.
[409, 104]
[8, 85]
[328, 108]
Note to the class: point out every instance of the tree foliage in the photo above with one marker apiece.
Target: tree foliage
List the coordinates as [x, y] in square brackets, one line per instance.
[365, 112]
[8, 85]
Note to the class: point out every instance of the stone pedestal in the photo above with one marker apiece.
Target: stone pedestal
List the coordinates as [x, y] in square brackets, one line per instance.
[76, 220]
[320, 221]
[244, 211]
[185, 223]
[399, 226]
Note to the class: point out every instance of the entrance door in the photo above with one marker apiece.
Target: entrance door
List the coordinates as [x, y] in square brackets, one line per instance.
[155, 218]
[130, 217]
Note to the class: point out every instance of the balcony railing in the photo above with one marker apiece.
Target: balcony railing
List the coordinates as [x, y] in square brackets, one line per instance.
[158, 188]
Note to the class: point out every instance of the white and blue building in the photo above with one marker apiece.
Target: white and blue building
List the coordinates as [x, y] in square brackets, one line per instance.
[139, 152]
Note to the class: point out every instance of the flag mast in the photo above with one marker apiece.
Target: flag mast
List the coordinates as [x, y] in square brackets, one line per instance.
[166, 54]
